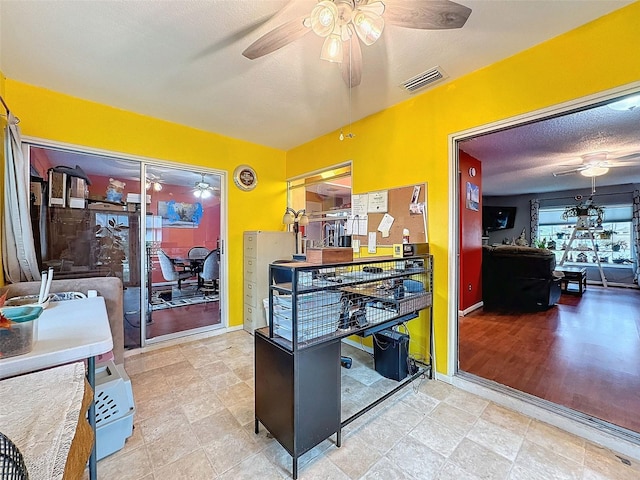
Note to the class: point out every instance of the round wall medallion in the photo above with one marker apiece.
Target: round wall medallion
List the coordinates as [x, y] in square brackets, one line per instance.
[245, 177]
[472, 172]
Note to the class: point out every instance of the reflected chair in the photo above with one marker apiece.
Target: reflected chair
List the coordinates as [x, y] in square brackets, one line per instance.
[197, 253]
[170, 271]
[210, 273]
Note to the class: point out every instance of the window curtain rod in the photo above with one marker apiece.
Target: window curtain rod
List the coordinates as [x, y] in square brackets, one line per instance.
[583, 196]
[6, 107]
[4, 104]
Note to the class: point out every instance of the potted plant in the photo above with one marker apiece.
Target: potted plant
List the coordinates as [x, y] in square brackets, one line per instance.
[618, 245]
[606, 234]
[110, 251]
[540, 243]
[583, 210]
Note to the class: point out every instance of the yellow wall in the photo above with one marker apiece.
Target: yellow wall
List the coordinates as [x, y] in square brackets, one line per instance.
[54, 116]
[408, 143]
[400, 146]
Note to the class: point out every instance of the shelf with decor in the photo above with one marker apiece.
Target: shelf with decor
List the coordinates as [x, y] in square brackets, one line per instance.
[611, 242]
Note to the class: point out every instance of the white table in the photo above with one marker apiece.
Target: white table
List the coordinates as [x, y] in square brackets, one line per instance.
[67, 332]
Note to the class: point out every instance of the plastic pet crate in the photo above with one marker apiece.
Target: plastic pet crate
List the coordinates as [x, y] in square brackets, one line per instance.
[114, 408]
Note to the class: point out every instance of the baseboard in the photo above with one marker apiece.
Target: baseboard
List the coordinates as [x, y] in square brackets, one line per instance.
[182, 339]
[472, 308]
[597, 283]
[358, 345]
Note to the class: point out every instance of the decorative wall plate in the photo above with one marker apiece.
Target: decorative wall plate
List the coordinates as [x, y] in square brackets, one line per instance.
[245, 177]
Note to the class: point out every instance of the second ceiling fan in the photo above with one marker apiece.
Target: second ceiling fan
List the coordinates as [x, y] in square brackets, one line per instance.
[345, 23]
[598, 163]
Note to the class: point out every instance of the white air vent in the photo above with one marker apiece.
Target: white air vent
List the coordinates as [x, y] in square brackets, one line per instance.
[423, 79]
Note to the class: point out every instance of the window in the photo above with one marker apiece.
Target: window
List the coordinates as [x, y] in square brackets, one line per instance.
[326, 197]
[611, 242]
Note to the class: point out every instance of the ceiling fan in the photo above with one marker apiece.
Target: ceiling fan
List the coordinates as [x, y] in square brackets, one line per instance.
[598, 163]
[153, 181]
[204, 189]
[345, 23]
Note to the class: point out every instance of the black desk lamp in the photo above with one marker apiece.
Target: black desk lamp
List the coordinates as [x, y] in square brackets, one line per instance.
[297, 219]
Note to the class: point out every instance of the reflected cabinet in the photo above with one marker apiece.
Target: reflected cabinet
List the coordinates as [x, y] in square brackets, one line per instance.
[81, 243]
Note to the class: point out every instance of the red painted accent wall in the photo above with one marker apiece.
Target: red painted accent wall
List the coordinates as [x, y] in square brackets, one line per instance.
[470, 234]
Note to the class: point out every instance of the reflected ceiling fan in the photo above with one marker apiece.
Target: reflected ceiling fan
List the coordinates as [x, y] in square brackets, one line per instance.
[345, 23]
[153, 181]
[204, 189]
[598, 163]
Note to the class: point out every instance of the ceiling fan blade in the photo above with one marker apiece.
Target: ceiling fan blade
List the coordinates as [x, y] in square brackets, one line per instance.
[626, 163]
[569, 172]
[277, 38]
[627, 158]
[428, 15]
[352, 51]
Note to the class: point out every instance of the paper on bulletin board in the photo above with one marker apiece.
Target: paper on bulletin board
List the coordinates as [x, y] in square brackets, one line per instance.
[378, 202]
[356, 225]
[385, 225]
[371, 246]
[359, 205]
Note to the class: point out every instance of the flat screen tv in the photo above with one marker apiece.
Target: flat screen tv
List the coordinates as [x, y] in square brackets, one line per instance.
[498, 218]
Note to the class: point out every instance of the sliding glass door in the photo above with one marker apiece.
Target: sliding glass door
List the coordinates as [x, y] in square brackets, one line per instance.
[102, 214]
[182, 233]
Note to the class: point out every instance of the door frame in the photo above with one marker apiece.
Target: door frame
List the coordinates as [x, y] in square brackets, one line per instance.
[564, 418]
[223, 292]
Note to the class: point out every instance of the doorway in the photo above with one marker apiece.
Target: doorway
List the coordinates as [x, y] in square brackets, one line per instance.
[113, 214]
[560, 386]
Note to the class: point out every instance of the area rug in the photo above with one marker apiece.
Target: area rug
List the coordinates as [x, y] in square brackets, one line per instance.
[180, 299]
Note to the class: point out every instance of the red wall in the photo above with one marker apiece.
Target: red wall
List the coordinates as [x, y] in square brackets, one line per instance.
[470, 235]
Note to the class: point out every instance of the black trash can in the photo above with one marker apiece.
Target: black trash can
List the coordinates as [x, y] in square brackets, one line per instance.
[390, 354]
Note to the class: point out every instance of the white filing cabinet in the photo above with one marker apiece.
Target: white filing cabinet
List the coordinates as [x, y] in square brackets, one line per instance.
[260, 249]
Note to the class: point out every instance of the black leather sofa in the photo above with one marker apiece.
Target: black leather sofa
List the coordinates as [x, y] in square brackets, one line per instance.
[518, 278]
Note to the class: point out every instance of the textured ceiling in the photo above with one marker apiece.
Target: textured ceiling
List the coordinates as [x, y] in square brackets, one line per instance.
[523, 159]
[181, 60]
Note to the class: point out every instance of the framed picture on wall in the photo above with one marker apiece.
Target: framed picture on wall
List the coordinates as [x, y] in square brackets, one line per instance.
[180, 214]
[473, 197]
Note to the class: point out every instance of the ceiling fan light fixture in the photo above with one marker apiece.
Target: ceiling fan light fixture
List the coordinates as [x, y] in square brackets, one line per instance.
[324, 17]
[368, 26]
[332, 48]
[148, 184]
[594, 171]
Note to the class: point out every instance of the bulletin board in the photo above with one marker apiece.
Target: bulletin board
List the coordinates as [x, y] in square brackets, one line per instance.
[398, 206]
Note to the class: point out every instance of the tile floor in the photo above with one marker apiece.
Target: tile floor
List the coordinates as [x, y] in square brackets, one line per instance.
[194, 421]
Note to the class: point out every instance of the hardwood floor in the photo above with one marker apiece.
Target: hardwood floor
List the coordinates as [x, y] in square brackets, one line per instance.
[180, 319]
[166, 321]
[584, 353]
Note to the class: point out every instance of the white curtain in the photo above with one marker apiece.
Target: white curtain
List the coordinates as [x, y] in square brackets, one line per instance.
[18, 250]
[636, 232]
